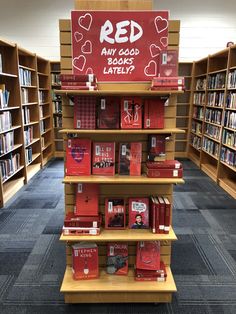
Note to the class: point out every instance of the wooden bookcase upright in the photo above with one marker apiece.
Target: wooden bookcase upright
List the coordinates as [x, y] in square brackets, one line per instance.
[114, 288]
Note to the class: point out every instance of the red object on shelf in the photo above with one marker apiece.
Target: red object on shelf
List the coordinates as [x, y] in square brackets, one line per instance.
[165, 173]
[168, 63]
[117, 259]
[148, 255]
[109, 113]
[167, 164]
[115, 213]
[80, 231]
[130, 158]
[85, 112]
[79, 87]
[131, 113]
[86, 203]
[71, 220]
[167, 215]
[154, 113]
[103, 158]
[151, 275]
[168, 81]
[139, 213]
[77, 78]
[156, 146]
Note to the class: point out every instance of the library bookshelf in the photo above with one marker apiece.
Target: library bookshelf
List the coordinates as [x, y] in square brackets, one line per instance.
[110, 289]
[212, 141]
[55, 70]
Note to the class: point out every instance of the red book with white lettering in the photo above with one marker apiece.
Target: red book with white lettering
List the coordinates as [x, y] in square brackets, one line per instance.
[148, 255]
[85, 261]
[167, 215]
[115, 216]
[117, 259]
[103, 158]
[161, 214]
[78, 78]
[157, 214]
[139, 213]
[154, 113]
[164, 173]
[131, 113]
[86, 203]
[168, 65]
[78, 157]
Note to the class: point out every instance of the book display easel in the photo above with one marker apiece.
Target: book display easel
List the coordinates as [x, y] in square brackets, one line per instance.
[109, 288]
[57, 108]
[213, 123]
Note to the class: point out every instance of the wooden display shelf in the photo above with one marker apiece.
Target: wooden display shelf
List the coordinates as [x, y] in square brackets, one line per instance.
[30, 104]
[15, 127]
[13, 174]
[11, 187]
[124, 131]
[123, 236]
[215, 89]
[198, 149]
[230, 129]
[45, 117]
[46, 131]
[197, 119]
[118, 92]
[10, 108]
[229, 185]
[227, 165]
[26, 68]
[8, 75]
[212, 123]
[109, 288]
[209, 154]
[34, 141]
[194, 158]
[32, 170]
[210, 170]
[117, 179]
[16, 146]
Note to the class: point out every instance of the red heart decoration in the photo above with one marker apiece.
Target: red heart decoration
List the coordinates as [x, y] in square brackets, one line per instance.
[87, 47]
[78, 36]
[164, 41]
[85, 21]
[151, 69]
[79, 62]
[154, 50]
[161, 24]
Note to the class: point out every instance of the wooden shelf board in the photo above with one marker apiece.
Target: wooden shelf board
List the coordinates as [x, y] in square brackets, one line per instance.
[231, 109]
[11, 129]
[231, 88]
[117, 179]
[11, 187]
[194, 159]
[10, 108]
[197, 149]
[34, 141]
[182, 117]
[210, 170]
[26, 68]
[28, 86]
[118, 92]
[46, 146]
[123, 236]
[211, 138]
[12, 175]
[177, 141]
[199, 90]
[43, 89]
[209, 154]
[215, 89]
[44, 103]
[230, 147]
[16, 146]
[59, 154]
[31, 123]
[218, 71]
[32, 170]
[197, 119]
[8, 75]
[200, 75]
[45, 117]
[228, 166]
[123, 131]
[30, 104]
[214, 107]
[198, 135]
[58, 140]
[199, 105]
[47, 130]
[42, 74]
[55, 85]
[34, 157]
[233, 67]
[182, 104]
[212, 123]
[229, 185]
[233, 130]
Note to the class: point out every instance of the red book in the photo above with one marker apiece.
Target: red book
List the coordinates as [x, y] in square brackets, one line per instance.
[78, 78]
[151, 275]
[80, 231]
[157, 147]
[165, 173]
[168, 65]
[180, 88]
[131, 113]
[153, 215]
[86, 203]
[109, 113]
[71, 220]
[78, 157]
[139, 213]
[117, 258]
[154, 113]
[79, 84]
[148, 255]
[167, 215]
[104, 158]
[78, 87]
[167, 164]
[130, 158]
[85, 261]
[85, 112]
[115, 213]
[161, 214]
[168, 81]
[157, 214]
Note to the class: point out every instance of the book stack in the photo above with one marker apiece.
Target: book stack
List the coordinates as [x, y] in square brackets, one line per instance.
[9, 166]
[4, 96]
[164, 169]
[160, 214]
[168, 83]
[78, 82]
[157, 147]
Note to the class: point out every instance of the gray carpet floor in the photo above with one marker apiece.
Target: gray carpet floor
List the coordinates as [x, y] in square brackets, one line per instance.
[32, 259]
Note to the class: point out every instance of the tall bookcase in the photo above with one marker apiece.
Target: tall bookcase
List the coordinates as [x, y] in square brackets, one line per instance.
[114, 288]
[212, 139]
[56, 108]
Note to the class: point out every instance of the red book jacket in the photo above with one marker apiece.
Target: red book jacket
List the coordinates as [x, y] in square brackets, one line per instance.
[167, 164]
[85, 112]
[168, 63]
[115, 213]
[109, 113]
[104, 158]
[71, 220]
[131, 113]
[148, 255]
[154, 113]
[168, 81]
[151, 275]
[156, 146]
[78, 78]
[165, 173]
[130, 158]
[167, 215]
[117, 258]
[139, 213]
[87, 199]
[78, 157]
[85, 261]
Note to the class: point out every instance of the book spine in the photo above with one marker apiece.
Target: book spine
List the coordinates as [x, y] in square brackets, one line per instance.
[65, 83]
[167, 216]
[77, 78]
[78, 87]
[161, 215]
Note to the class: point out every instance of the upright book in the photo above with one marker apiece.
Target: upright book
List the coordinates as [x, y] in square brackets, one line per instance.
[103, 158]
[117, 258]
[85, 112]
[148, 255]
[157, 147]
[86, 203]
[108, 113]
[115, 216]
[168, 63]
[131, 113]
[130, 158]
[139, 213]
[154, 113]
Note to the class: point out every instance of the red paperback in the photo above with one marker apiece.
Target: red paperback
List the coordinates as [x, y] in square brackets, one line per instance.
[117, 258]
[104, 158]
[86, 203]
[148, 255]
[154, 113]
[139, 213]
[168, 63]
[130, 158]
[167, 164]
[78, 157]
[165, 173]
[131, 113]
[109, 113]
[78, 78]
[156, 146]
[151, 275]
[71, 220]
[85, 112]
[167, 215]
[85, 261]
[161, 214]
[115, 213]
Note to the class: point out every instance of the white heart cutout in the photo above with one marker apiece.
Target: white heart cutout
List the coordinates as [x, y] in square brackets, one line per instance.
[151, 69]
[161, 24]
[154, 50]
[164, 41]
[79, 62]
[85, 21]
[87, 47]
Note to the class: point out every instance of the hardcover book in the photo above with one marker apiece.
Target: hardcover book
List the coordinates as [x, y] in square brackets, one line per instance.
[109, 113]
[86, 203]
[85, 261]
[165, 173]
[168, 63]
[131, 113]
[154, 113]
[115, 215]
[77, 78]
[80, 231]
[168, 81]
[71, 220]
[117, 258]
[167, 215]
[85, 112]
[139, 213]
[151, 275]
[78, 157]
[167, 164]
[104, 158]
[157, 147]
[148, 255]
[130, 158]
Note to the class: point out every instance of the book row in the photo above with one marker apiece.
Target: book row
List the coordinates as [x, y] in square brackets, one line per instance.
[199, 99]
[198, 113]
[229, 138]
[24, 95]
[230, 119]
[196, 127]
[57, 121]
[215, 99]
[25, 77]
[210, 147]
[4, 96]
[42, 96]
[9, 166]
[57, 106]
[28, 155]
[232, 79]
[201, 84]
[228, 156]
[231, 100]
[216, 81]
[28, 134]
[40, 111]
[195, 141]
[26, 115]
[5, 121]
[6, 142]
[213, 131]
[42, 126]
[55, 79]
[213, 116]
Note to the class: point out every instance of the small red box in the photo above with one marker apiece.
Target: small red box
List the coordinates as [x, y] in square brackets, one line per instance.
[117, 258]
[78, 157]
[154, 113]
[131, 113]
[168, 63]
[85, 261]
[71, 220]
[165, 173]
[130, 158]
[115, 216]
[109, 113]
[167, 164]
[148, 255]
[104, 159]
[139, 213]
[157, 147]
[86, 203]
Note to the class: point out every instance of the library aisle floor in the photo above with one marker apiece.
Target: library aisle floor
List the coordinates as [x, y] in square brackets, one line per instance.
[32, 260]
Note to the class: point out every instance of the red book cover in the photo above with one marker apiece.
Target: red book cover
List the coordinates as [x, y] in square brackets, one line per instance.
[71, 220]
[180, 88]
[131, 113]
[78, 78]
[104, 158]
[109, 113]
[154, 113]
[168, 63]
[167, 215]
[130, 158]
[85, 112]
[115, 213]
[165, 173]
[86, 203]
[117, 258]
[167, 164]
[79, 84]
[156, 146]
[151, 275]
[157, 214]
[148, 255]
[78, 157]
[78, 87]
[153, 215]
[168, 81]
[139, 213]
[85, 261]
[80, 231]
[161, 214]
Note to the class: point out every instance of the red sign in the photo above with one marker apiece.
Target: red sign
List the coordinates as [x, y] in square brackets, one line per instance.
[118, 45]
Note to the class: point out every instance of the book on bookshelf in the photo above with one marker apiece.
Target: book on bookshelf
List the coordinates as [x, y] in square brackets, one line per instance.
[40, 112]
[199, 99]
[131, 113]
[87, 198]
[231, 101]
[196, 127]
[42, 96]
[228, 156]
[85, 112]
[195, 141]
[5, 121]
[230, 119]
[148, 255]
[229, 138]
[201, 84]
[216, 81]
[210, 147]
[154, 113]
[215, 99]
[24, 95]
[103, 159]
[213, 116]
[55, 79]
[108, 113]
[6, 142]
[4, 96]
[130, 158]
[28, 134]
[28, 155]
[198, 112]
[117, 258]
[213, 131]
[115, 213]
[139, 213]
[10, 165]
[232, 79]
[26, 115]
[25, 77]
[42, 126]
[57, 121]
[168, 63]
